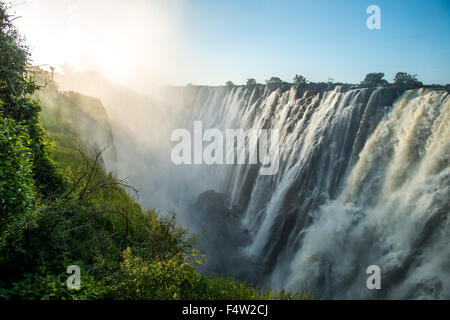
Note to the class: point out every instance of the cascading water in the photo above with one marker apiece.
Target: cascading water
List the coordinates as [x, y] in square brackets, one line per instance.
[363, 180]
[392, 210]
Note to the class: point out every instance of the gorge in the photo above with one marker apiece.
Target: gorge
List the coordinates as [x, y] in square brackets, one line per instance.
[363, 180]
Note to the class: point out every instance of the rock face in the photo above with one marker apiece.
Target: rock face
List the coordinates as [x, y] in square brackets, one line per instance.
[85, 114]
[222, 234]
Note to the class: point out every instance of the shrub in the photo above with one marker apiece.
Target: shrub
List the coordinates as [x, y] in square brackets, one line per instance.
[16, 182]
[300, 80]
[407, 80]
[229, 84]
[274, 80]
[374, 79]
[250, 82]
[165, 278]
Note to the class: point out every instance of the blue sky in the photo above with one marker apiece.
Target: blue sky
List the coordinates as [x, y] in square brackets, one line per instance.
[320, 39]
[142, 42]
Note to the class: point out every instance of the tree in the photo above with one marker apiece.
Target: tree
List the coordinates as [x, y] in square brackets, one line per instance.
[16, 179]
[299, 80]
[16, 89]
[229, 84]
[375, 79]
[274, 80]
[406, 80]
[250, 82]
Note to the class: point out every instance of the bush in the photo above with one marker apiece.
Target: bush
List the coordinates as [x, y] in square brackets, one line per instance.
[300, 80]
[274, 80]
[409, 81]
[374, 79]
[165, 278]
[251, 82]
[229, 84]
[48, 286]
[16, 184]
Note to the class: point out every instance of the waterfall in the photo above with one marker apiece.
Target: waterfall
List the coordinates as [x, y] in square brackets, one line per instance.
[363, 180]
[392, 210]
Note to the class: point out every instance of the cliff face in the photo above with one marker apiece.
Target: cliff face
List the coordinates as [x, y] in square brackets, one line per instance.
[82, 114]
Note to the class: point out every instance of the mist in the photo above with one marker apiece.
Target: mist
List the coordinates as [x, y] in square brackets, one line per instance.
[137, 43]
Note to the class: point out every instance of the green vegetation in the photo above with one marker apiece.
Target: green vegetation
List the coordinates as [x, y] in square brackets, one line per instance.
[59, 206]
[407, 80]
[374, 79]
[229, 84]
[300, 80]
[251, 82]
[402, 79]
[16, 180]
[274, 80]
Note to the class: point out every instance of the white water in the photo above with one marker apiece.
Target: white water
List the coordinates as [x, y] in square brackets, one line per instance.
[361, 183]
[398, 186]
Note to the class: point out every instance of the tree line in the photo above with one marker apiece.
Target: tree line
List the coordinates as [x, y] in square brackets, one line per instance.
[401, 79]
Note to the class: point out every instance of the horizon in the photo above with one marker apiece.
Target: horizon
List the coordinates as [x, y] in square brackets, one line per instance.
[209, 43]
